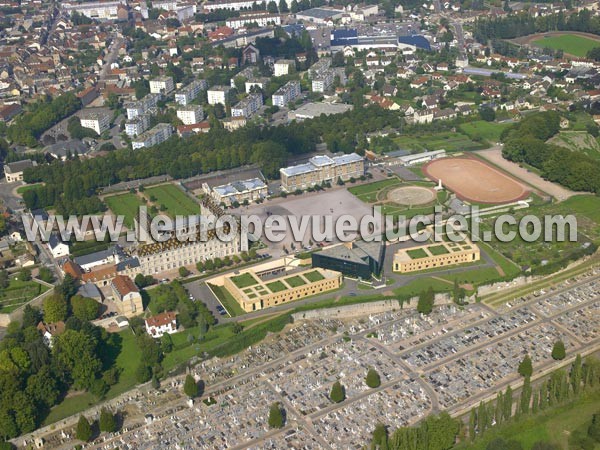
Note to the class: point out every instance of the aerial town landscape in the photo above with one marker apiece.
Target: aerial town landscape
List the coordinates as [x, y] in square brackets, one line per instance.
[300, 224]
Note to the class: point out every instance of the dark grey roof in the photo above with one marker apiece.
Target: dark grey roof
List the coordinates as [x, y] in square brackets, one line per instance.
[96, 256]
[18, 166]
[89, 290]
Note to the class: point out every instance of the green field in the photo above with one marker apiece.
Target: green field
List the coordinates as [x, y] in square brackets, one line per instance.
[126, 205]
[21, 190]
[313, 276]
[175, 201]
[555, 425]
[368, 192]
[569, 43]
[244, 280]
[437, 250]
[490, 131]
[417, 253]
[443, 140]
[18, 293]
[276, 286]
[295, 281]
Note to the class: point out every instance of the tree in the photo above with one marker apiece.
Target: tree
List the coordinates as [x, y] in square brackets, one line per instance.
[55, 308]
[426, 301]
[558, 351]
[338, 393]
[594, 428]
[373, 380]
[183, 272]
[4, 279]
[143, 373]
[108, 423]
[276, 416]
[25, 275]
[526, 367]
[84, 308]
[31, 316]
[75, 351]
[46, 275]
[190, 388]
[84, 429]
[487, 114]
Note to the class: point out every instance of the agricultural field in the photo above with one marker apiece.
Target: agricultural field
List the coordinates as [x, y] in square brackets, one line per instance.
[580, 141]
[18, 293]
[444, 140]
[569, 43]
[126, 205]
[490, 131]
[175, 201]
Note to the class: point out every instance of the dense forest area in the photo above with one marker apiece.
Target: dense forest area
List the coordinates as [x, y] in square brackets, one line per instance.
[526, 142]
[71, 187]
[522, 24]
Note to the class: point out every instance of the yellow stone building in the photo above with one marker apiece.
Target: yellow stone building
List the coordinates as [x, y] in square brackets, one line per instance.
[259, 290]
[439, 254]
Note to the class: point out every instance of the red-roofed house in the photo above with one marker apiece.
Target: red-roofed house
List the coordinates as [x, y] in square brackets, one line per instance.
[162, 323]
[126, 295]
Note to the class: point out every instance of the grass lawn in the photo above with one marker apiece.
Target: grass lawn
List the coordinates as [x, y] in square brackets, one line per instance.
[417, 253]
[21, 190]
[276, 286]
[244, 280]
[313, 276]
[80, 248]
[368, 192]
[569, 43]
[227, 300]
[422, 284]
[437, 250]
[124, 205]
[174, 199]
[490, 131]
[444, 140]
[18, 293]
[295, 281]
[554, 425]
[126, 361]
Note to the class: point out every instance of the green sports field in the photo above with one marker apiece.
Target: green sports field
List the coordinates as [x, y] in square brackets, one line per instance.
[174, 199]
[569, 43]
[124, 205]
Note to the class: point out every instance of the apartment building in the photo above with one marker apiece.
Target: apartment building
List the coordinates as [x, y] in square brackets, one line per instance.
[137, 125]
[143, 106]
[190, 92]
[157, 135]
[191, 114]
[247, 106]
[261, 18]
[320, 169]
[323, 81]
[162, 85]
[97, 121]
[218, 95]
[95, 10]
[283, 67]
[286, 93]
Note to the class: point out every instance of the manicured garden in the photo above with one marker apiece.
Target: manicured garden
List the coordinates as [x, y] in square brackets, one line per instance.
[18, 293]
[175, 201]
[244, 280]
[127, 205]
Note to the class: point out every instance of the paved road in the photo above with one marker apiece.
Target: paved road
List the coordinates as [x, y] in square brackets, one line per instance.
[111, 57]
[9, 196]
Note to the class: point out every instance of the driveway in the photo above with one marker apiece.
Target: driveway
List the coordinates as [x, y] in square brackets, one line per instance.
[9, 196]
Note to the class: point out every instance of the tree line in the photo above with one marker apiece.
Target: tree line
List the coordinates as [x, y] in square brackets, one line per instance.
[523, 24]
[71, 187]
[525, 142]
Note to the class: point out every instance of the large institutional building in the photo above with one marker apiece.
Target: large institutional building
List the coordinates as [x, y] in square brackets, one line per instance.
[238, 191]
[357, 259]
[259, 290]
[320, 169]
[440, 254]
